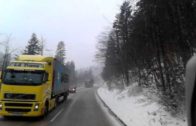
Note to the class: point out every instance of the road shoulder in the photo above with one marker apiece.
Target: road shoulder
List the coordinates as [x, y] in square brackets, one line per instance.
[113, 117]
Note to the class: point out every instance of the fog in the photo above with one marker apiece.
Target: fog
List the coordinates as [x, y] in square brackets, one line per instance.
[76, 22]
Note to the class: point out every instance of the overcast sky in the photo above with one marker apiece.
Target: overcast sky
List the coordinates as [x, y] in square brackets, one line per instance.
[76, 22]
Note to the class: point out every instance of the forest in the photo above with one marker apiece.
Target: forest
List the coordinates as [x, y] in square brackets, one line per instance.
[150, 43]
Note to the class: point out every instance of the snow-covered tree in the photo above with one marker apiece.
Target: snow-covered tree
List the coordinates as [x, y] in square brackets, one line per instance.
[60, 52]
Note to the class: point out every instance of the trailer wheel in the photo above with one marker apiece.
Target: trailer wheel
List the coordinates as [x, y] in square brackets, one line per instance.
[65, 96]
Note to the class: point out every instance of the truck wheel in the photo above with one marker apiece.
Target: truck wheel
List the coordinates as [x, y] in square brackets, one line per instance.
[46, 109]
[6, 117]
[57, 100]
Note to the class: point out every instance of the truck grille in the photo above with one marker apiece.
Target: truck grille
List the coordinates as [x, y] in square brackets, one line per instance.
[19, 96]
[18, 104]
[17, 110]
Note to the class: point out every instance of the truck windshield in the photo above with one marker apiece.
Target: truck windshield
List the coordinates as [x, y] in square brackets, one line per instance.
[23, 77]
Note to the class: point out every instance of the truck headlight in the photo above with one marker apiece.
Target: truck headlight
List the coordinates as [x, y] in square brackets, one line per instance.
[1, 106]
[36, 107]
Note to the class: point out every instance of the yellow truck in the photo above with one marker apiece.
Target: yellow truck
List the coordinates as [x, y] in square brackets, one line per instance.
[32, 86]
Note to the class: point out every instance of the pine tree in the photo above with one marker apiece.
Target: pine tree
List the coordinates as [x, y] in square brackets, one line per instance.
[152, 45]
[72, 72]
[33, 47]
[60, 52]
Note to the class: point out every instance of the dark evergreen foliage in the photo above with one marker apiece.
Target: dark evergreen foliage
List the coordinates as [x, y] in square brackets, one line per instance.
[33, 47]
[152, 45]
[60, 52]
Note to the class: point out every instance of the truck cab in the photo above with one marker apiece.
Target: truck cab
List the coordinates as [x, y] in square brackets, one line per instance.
[27, 87]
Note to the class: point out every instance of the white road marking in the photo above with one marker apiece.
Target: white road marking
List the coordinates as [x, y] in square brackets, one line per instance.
[56, 115]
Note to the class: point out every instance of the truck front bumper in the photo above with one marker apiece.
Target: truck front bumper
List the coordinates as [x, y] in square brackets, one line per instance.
[27, 109]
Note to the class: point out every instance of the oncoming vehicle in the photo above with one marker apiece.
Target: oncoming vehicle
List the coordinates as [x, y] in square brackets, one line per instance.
[89, 84]
[72, 90]
[32, 86]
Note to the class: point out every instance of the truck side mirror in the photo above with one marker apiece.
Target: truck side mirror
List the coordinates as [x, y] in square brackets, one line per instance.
[1, 75]
[190, 85]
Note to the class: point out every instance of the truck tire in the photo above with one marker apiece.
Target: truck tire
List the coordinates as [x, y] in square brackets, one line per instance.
[57, 100]
[46, 109]
[7, 117]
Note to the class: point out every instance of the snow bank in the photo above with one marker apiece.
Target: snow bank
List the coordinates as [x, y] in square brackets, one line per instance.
[135, 109]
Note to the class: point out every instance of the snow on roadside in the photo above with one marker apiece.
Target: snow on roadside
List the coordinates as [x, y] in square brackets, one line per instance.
[137, 110]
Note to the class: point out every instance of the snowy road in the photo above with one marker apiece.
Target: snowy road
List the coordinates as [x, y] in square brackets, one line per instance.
[81, 109]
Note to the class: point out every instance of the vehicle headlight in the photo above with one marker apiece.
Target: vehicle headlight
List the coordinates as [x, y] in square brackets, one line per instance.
[36, 107]
[1, 106]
